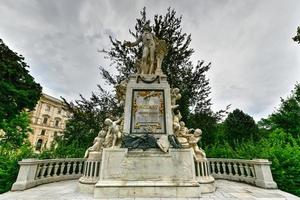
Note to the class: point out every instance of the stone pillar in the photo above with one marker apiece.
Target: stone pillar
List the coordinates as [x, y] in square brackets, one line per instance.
[26, 176]
[263, 174]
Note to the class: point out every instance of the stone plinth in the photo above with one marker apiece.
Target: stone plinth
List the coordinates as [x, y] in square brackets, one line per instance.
[150, 173]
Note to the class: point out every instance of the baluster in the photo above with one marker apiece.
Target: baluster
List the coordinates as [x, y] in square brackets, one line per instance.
[80, 166]
[205, 168]
[236, 173]
[50, 166]
[202, 169]
[68, 168]
[37, 176]
[89, 169]
[224, 168]
[212, 164]
[43, 171]
[230, 168]
[198, 168]
[95, 172]
[241, 169]
[247, 170]
[74, 167]
[62, 168]
[218, 168]
[56, 166]
[252, 171]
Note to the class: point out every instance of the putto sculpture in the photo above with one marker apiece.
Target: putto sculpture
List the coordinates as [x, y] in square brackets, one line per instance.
[98, 144]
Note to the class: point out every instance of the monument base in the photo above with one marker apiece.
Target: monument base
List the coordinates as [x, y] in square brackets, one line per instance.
[150, 173]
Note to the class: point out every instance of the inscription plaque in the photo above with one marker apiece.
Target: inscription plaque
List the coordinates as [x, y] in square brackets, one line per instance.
[148, 111]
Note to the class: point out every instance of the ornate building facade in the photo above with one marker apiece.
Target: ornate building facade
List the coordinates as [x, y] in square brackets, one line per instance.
[48, 120]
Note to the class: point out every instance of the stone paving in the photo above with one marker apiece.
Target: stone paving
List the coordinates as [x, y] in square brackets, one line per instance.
[226, 190]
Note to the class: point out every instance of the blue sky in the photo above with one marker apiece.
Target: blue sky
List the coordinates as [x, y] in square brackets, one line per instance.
[254, 60]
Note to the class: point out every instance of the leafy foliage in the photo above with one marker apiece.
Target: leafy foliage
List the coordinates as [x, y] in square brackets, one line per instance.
[9, 167]
[15, 131]
[239, 126]
[18, 90]
[287, 116]
[279, 147]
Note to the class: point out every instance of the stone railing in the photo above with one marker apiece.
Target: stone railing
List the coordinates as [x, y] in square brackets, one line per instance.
[35, 172]
[255, 172]
[202, 171]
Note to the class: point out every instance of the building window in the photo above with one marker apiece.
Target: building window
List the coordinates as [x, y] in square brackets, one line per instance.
[55, 133]
[39, 145]
[45, 120]
[43, 132]
[58, 111]
[56, 123]
[48, 108]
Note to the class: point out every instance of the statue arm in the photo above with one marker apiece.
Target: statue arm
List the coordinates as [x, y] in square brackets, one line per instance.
[132, 44]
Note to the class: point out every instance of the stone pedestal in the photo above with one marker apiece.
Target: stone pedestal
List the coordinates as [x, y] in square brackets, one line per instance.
[150, 173]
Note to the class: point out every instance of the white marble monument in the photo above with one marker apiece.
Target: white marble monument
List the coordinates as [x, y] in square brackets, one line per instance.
[147, 152]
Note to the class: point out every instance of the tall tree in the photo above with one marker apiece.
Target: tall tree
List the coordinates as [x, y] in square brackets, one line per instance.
[190, 79]
[239, 126]
[181, 73]
[287, 116]
[18, 90]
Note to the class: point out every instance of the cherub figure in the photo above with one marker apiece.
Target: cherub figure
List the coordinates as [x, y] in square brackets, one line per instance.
[183, 135]
[176, 119]
[121, 92]
[193, 141]
[97, 143]
[175, 96]
[113, 132]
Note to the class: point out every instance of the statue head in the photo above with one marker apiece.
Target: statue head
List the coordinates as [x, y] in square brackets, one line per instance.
[175, 90]
[198, 132]
[147, 27]
[108, 122]
[101, 134]
[182, 124]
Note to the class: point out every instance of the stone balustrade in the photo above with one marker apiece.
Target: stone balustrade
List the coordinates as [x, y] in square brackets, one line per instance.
[35, 172]
[255, 172]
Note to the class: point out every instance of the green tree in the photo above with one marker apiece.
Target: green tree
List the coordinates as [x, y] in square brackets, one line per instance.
[287, 116]
[18, 93]
[15, 131]
[18, 90]
[177, 65]
[297, 37]
[239, 126]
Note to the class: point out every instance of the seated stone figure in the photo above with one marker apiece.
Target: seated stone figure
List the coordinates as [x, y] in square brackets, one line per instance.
[193, 142]
[97, 143]
[183, 135]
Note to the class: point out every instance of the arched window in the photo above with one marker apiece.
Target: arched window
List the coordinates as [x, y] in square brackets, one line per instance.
[39, 145]
[57, 122]
[45, 119]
